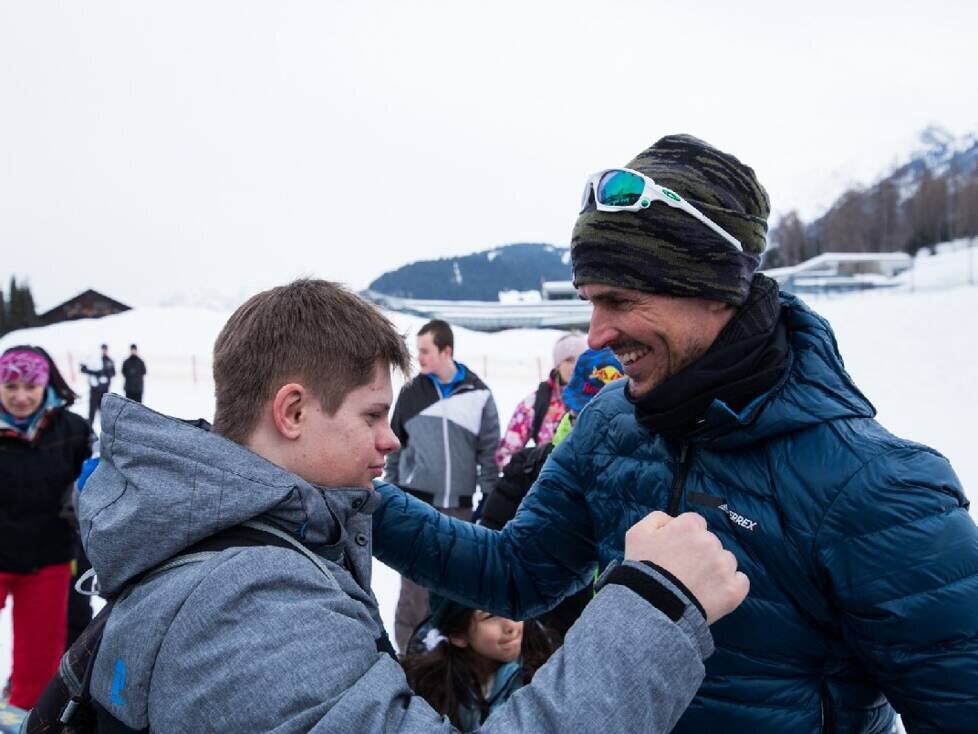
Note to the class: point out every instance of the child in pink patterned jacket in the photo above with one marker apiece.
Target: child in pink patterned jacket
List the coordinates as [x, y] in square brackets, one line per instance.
[525, 423]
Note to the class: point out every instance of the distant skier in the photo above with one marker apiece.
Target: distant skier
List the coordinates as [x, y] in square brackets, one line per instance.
[134, 370]
[99, 381]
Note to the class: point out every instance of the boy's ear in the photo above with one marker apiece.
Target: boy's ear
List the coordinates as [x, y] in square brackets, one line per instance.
[458, 640]
[288, 410]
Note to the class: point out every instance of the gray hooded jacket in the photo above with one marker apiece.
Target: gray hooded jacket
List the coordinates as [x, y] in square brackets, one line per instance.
[264, 639]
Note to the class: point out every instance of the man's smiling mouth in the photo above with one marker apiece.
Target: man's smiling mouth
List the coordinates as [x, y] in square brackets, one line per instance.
[632, 355]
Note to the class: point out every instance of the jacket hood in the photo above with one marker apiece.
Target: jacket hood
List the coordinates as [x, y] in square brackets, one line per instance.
[164, 484]
[815, 388]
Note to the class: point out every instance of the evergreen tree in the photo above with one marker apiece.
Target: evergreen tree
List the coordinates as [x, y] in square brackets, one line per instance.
[30, 315]
[14, 316]
[20, 313]
[3, 314]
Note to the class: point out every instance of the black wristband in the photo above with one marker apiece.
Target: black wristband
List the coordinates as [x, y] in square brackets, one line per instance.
[649, 589]
[678, 584]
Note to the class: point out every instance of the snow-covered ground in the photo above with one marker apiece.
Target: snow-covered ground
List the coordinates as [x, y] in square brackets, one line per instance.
[913, 353]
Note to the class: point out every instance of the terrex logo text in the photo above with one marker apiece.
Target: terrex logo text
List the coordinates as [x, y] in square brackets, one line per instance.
[738, 519]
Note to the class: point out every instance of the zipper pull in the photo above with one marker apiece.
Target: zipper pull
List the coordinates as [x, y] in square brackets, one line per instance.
[679, 482]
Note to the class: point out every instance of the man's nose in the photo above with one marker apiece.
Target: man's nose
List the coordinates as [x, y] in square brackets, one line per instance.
[601, 332]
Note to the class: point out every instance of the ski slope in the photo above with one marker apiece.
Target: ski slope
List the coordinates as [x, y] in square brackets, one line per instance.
[912, 351]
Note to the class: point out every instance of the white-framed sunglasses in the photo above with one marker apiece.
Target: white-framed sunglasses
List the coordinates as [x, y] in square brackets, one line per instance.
[625, 190]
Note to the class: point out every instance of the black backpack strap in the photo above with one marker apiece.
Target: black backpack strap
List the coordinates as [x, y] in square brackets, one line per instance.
[517, 478]
[541, 404]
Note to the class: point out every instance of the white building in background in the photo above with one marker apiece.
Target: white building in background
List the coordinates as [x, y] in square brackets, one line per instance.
[493, 315]
[557, 304]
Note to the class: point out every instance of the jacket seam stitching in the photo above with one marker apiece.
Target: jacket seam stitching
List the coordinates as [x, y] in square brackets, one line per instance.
[843, 490]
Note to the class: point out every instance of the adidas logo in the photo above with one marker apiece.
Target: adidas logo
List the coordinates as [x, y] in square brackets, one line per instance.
[738, 519]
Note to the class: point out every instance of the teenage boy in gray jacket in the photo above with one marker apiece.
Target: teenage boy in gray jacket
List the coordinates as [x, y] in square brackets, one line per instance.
[266, 638]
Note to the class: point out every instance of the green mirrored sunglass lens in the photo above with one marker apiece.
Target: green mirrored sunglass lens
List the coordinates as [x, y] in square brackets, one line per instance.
[620, 188]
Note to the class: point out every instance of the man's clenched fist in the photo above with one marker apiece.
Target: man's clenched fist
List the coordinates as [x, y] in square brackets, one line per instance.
[686, 549]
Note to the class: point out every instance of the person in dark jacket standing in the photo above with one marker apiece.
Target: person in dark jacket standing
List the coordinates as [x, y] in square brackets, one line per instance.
[99, 381]
[448, 428]
[862, 556]
[133, 371]
[42, 447]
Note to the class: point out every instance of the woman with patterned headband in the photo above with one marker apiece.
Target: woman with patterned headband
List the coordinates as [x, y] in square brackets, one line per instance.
[42, 447]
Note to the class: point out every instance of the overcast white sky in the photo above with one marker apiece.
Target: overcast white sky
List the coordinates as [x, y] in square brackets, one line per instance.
[153, 149]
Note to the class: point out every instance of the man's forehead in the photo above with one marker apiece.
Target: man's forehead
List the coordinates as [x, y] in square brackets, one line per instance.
[589, 291]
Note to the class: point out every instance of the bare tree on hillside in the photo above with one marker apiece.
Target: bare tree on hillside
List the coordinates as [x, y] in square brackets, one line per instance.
[846, 228]
[884, 219]
[925, 214]
[966, 206]
[789, 236]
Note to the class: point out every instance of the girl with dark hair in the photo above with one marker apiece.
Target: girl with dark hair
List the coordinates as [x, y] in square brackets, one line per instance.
[42, 447]
[478, 661]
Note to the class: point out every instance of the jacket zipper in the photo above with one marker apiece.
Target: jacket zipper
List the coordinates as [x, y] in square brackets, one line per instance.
[828, 710]
[448, 458]
[675, 496]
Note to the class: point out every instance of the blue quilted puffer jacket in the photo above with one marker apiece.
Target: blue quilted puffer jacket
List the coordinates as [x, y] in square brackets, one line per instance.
[862, 557]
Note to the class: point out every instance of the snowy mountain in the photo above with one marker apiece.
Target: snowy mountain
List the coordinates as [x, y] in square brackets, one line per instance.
[477, 277]
[938, 154]
[929, 198]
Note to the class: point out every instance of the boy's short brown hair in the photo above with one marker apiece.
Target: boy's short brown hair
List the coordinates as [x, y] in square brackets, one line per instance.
[441, 334]
[313, 331]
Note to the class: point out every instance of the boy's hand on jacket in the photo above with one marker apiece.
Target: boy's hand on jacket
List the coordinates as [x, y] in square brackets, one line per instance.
[686, 549]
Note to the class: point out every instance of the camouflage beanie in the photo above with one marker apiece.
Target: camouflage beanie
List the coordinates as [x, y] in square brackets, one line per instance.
[665, 250]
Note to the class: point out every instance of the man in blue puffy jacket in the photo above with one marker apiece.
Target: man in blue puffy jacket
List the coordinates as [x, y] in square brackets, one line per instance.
[862, 557]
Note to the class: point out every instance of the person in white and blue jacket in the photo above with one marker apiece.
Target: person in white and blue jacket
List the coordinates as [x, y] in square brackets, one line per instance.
[447, 424]
[862, 556]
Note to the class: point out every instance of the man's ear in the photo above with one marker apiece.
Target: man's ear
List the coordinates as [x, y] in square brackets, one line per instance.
[459, 640]
[717, 306]
[289, 410]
